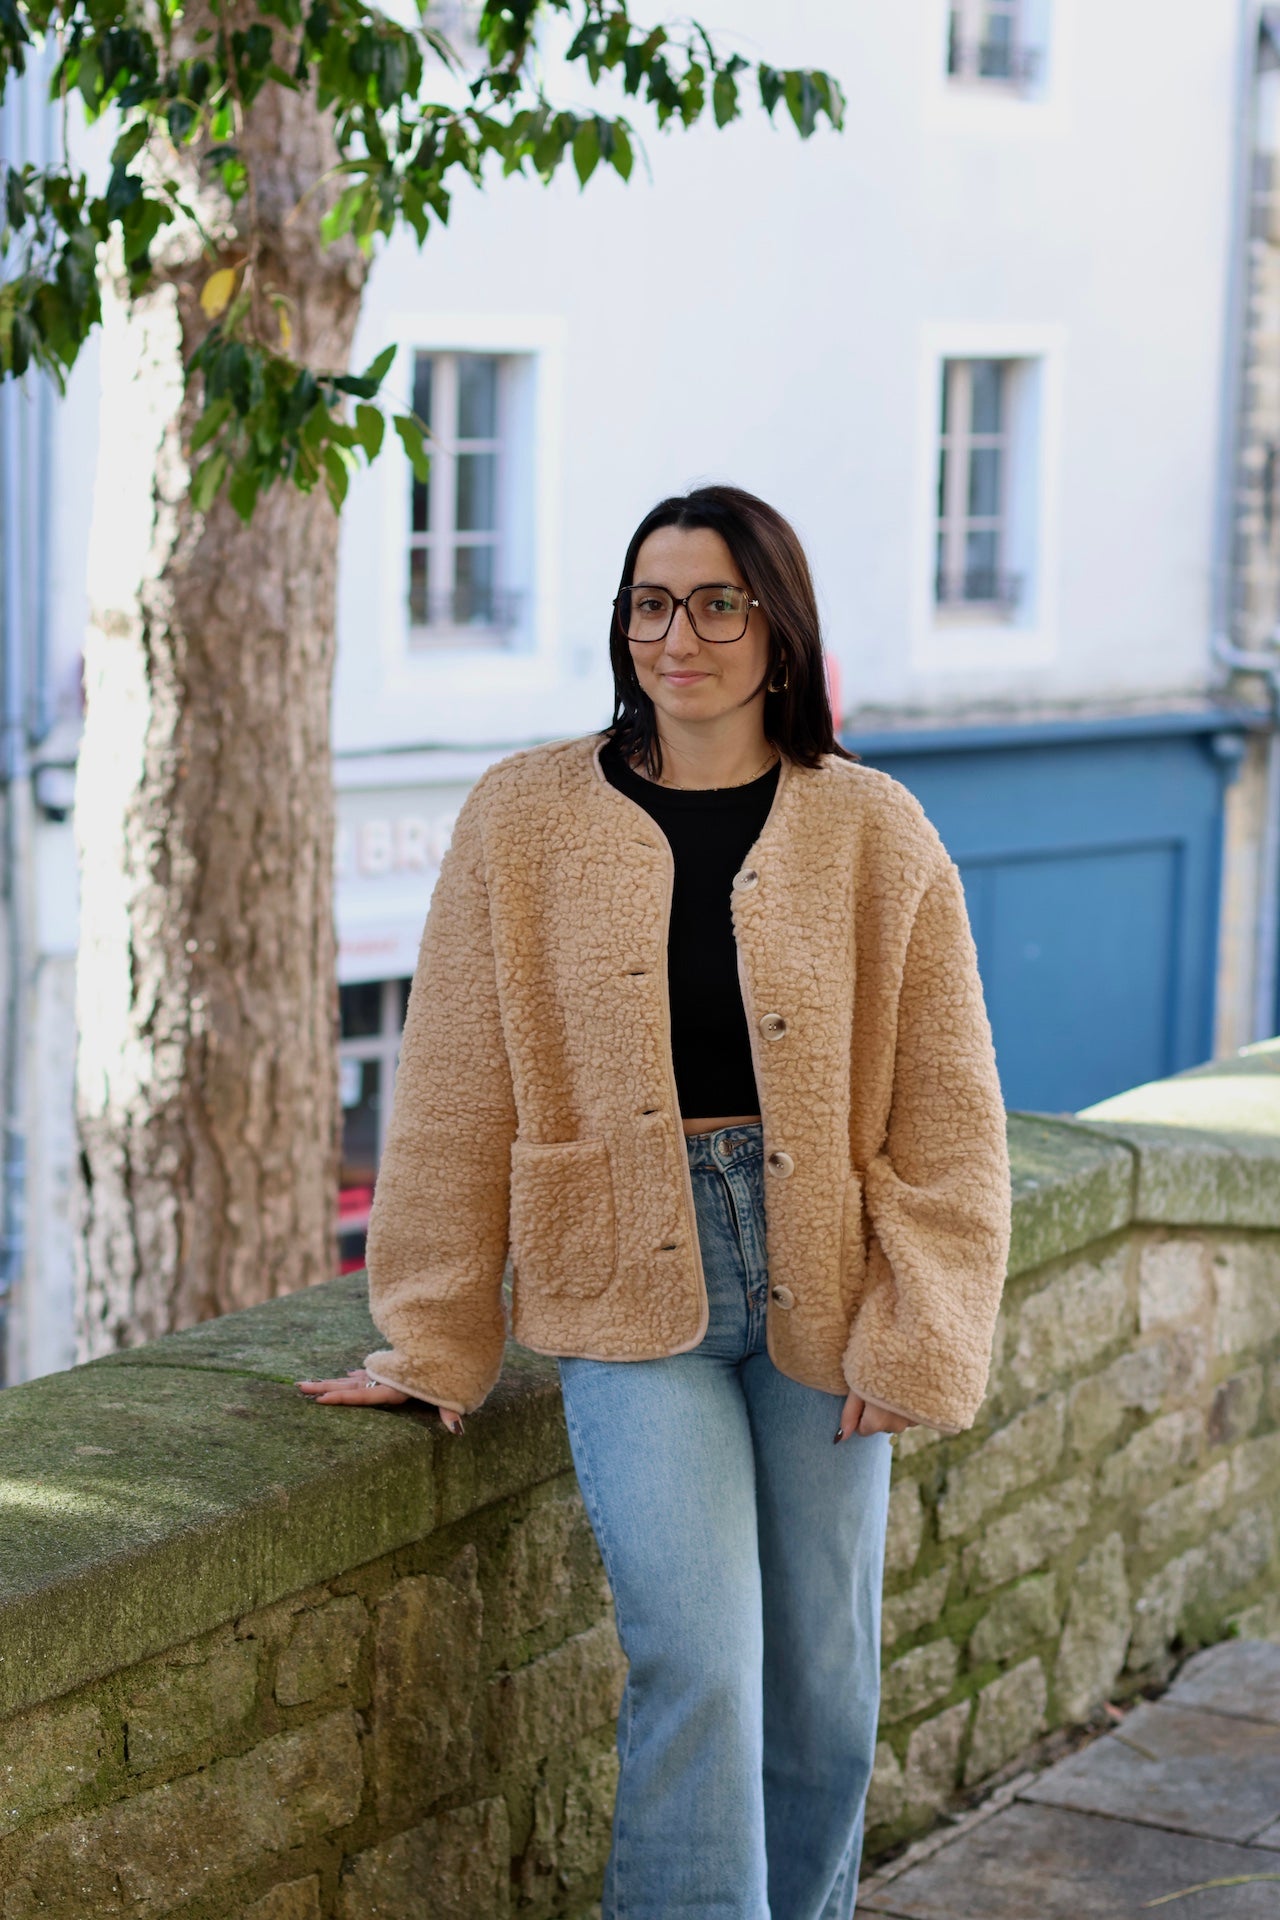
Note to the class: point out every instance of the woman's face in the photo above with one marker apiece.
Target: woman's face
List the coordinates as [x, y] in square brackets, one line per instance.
[686, 678]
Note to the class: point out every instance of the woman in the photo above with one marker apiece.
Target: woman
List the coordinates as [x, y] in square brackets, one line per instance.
[697, 1031]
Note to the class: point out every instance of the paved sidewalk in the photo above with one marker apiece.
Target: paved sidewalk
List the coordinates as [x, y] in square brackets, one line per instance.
[1186, 1790]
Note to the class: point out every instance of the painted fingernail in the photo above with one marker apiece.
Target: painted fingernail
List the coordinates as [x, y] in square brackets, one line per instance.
[839, 1437]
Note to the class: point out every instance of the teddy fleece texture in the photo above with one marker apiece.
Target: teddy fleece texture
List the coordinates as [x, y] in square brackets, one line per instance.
[535, 1105]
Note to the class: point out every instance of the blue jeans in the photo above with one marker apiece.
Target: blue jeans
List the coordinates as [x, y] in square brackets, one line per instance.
[745, 1553]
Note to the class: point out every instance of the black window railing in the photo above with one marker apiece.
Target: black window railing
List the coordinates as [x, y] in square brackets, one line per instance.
[474, 606]
[994, 60]
[979, 587]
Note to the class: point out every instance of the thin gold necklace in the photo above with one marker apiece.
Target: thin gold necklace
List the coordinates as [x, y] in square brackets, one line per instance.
[770, 760]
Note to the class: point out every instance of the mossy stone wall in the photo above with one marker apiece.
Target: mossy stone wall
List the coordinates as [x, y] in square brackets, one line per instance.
[262, 1660]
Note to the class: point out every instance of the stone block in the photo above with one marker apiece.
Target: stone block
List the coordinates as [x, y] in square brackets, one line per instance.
[291, 1900]
[582, 1845]
[1199, 1159]
[553, 1702]
[568, 1844]
[1188, 1509]
[1030, 1536]
[922, 1676]
[1016, 1618]
[1247, 1294]
[1171, 1368]
[1010, 1716]
[1073, 1319]
[1095, 1635]
[1071, 1187]
[1173, 1282]
[1153, 1453]
[933, 1759]
[455, 1866]
[426, 1672]
[1255, 1465]
[535, 1583]
[1024, 1451]
[175, 1706]
[905, 1527]
[322, 1652]
[1260, 1621]
[903, 1613]
[1159, 1606]
[1201, 1581]
[1236, 1406]
[176, 1843]
[46, 1757]
[887, 1794]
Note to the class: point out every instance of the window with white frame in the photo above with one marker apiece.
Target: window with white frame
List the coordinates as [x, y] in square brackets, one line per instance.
[995, 42]
[972, 570]
[460, 586]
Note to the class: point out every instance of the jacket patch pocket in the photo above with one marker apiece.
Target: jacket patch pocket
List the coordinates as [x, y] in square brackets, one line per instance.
[853, 1247]
[563, 1226]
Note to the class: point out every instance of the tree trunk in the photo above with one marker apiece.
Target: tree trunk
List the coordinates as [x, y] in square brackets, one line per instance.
[207, 1006]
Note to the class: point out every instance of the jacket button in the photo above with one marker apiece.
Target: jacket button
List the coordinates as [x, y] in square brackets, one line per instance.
[780, 1163]
[783, 1296]
[772, 1026]
[746, 879]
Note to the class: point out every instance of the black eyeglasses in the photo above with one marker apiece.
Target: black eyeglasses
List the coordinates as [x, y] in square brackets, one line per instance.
[717, 613]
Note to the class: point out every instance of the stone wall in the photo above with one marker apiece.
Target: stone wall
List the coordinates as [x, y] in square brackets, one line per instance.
[264, 1659]
[1118, 1499]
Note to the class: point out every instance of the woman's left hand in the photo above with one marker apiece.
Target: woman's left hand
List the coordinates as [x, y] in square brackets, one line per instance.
[864, 1416]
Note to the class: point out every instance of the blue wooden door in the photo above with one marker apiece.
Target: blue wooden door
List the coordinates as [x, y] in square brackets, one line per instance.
[1092, 872]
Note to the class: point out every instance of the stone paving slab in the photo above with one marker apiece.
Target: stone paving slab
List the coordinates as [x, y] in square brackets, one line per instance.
[1049, 1863]
[1162, 1804]
[1240, 1677]
[1167, 1766]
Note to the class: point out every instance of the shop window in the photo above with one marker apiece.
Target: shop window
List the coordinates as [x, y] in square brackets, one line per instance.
[372, 1015]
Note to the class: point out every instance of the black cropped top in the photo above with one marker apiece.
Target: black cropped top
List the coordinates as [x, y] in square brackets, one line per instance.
[710, 832]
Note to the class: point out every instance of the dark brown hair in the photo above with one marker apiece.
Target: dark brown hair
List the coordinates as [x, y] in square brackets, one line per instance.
[767, 550]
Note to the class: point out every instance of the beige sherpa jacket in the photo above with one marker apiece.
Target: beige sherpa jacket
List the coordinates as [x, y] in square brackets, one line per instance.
[535, 1104]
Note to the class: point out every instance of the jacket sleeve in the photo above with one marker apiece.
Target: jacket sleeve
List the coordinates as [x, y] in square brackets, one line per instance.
[437, 1242]
[937, 1193]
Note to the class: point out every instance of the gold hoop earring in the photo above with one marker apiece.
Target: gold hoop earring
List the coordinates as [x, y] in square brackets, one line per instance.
[776, 686]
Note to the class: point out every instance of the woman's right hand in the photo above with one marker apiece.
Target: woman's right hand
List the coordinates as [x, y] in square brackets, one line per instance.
[356, 1389]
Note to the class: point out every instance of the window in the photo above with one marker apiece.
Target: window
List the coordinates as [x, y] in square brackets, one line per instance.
[372, 1016]
[459, 594]
[989, 41]
[971, 570]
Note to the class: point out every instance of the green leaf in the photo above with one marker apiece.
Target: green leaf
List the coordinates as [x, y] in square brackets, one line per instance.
[724, 99]
[211, 421]
[586, 150]
[803, 101]
[622, 156]
[409, 427]
[379, 367]
[242, 491]
[206, 480]
[336, 476]
[772, 87]
[370, 427]
[130, 143]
